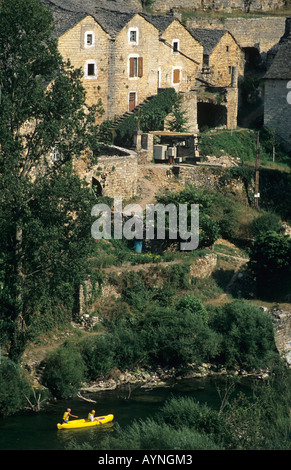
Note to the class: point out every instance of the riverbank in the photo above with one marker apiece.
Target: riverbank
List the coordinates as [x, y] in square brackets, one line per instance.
[161, 377]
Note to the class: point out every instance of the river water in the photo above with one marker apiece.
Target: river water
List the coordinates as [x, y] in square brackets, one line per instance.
[38, 431]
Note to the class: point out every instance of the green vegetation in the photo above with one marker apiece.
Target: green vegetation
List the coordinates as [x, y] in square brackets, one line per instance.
[256, 422]
[45, 223]
[151, 117]
[242, 144]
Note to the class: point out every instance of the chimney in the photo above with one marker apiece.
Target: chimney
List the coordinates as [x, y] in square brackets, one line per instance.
[287, 33]
[176, 14]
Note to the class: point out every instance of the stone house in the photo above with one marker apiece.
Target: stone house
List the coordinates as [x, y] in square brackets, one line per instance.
[180, 55]
[128, 56]
[277, 99]
[221, 53]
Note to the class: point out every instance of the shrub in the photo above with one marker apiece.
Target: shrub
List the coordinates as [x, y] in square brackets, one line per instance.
[64, 371]
[13, 388]
[149, 434]
[98, 355]
[270, 261]
[176, 338]
[247, 336]
[128, 346]
[179, 412]
[266, 222]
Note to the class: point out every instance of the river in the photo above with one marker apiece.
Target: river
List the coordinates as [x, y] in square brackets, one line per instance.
[38, 431]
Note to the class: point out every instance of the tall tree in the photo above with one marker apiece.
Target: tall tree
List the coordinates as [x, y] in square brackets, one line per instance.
[45, 125]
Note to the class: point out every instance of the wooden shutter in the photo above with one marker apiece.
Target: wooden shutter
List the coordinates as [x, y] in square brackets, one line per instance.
[140, 66]
[176, 76]
[131, 67]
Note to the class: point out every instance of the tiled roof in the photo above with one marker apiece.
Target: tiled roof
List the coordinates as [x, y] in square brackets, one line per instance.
[110, 14]
[209, 38]
[281, 65]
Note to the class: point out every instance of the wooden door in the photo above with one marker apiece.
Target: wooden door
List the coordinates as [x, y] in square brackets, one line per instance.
[132, 101]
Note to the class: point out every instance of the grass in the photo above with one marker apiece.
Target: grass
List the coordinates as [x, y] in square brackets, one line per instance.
[235, 13]
[242, 144]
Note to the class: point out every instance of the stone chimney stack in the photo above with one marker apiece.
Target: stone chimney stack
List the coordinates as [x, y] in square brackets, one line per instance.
[287, 33]
[176, 14]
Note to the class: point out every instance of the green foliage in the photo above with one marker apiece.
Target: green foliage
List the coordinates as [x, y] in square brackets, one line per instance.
[179, 120]
[270, 261]
[242, 144]
[187, 412]
[64, 371]
[45, 221]
[209, 229]
[265, 223]
[13, 388]
[175, 337]
[150, 434]
[246, 336]
[150, 117]
[98, 355]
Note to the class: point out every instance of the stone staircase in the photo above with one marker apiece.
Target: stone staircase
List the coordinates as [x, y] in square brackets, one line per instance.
[124, 116]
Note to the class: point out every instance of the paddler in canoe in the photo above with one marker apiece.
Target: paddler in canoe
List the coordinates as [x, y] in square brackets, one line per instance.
[67, 415]
[91, 416]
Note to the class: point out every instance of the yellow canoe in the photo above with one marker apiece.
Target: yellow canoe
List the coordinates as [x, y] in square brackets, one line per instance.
[84, 423]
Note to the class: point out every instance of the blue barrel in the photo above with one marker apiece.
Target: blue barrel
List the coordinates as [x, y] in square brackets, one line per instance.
[138, 246]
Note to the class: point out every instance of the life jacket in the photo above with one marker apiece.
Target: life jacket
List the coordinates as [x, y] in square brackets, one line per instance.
[66, 416]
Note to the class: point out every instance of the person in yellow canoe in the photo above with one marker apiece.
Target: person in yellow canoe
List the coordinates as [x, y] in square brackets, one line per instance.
[91, 416]
[67, 415]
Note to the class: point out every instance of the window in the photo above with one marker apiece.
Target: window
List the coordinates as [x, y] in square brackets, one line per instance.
[227, 48]
[89, 39]
[135, 67]
[175, 46]
[229, 69]
[133, 36]
[206, 60]
[90, 69]
[176, 76]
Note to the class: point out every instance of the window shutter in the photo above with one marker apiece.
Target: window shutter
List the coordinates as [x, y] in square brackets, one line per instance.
[176, 77]
[131, 67]
[140, 66]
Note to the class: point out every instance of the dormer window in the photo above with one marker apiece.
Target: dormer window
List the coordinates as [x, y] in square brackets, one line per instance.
[133, 36]
[89, 39]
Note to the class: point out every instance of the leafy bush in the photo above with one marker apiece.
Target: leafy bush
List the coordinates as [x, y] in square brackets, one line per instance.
[98, 355]
[151, 117]
[265, 223]
[64, 371]
[270, 262]
[179, 412]
[247, 336]
[149, 434]
[13, 388]
[176, 338]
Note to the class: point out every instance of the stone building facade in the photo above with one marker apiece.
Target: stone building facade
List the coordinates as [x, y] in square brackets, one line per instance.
[221, 53]
[277, 100]
[128, 56]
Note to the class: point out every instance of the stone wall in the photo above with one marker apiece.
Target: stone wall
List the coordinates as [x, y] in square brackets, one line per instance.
[262, 33]
[187, 60]
[113, 175]
[121, 50]
[192, 5]
[72, 45]
[282, 326]
[276, 109]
